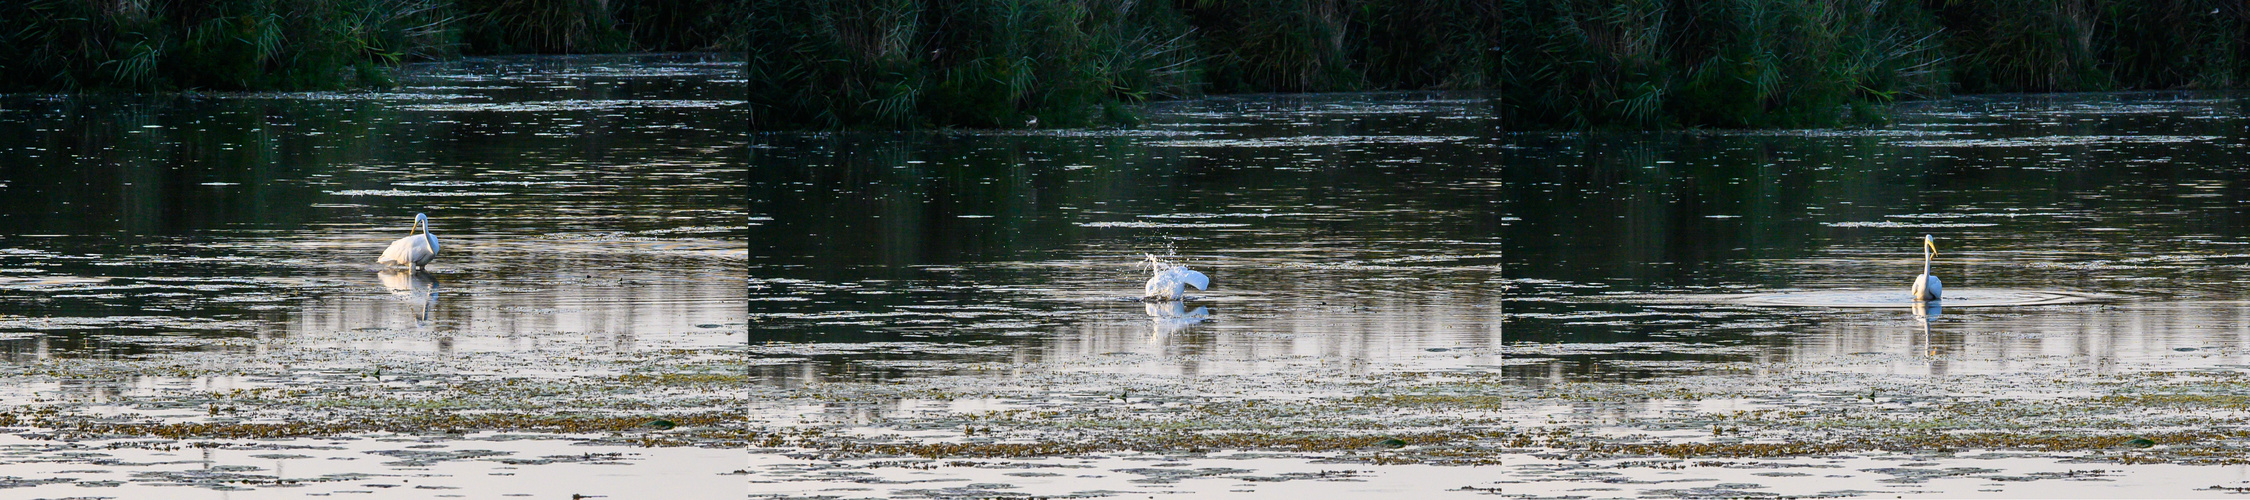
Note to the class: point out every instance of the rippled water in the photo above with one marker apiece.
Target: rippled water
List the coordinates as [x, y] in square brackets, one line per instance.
[136, 223]
[590, 211]
[1380, 226]
[1378, 234]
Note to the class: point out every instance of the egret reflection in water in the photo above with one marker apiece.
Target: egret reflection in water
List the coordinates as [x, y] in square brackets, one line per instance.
[1926, 311]
[1923, 313]
[413, 285]
[1172, 316]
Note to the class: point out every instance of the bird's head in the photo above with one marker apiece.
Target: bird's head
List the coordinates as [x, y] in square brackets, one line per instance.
[1929, 243]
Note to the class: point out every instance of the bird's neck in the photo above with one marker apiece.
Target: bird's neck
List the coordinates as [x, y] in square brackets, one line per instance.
[1925, 264]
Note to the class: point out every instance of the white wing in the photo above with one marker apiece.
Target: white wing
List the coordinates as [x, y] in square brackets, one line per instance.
[1927, 287]
[410, 251]
[401, 252]
[1191, 277]
[1172, 281]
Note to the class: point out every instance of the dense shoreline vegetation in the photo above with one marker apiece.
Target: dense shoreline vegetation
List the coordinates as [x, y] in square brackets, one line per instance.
[839, 64]
[163, 45]
[1550, 63]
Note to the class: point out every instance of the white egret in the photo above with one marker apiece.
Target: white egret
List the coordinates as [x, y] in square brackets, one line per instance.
[412, 251]
[1171, 281]
[1926, 287]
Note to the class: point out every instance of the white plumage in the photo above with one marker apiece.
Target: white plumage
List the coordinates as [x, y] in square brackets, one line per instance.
[1926, 287]
[412, 251]
[1170, 281]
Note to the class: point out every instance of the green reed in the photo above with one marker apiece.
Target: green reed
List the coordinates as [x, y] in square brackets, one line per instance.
[979, 63]
[214, 44]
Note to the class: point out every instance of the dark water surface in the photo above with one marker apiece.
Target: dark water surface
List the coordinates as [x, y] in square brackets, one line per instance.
[1394, 229]
[1613, 288]
[207, 261]
[569, 195]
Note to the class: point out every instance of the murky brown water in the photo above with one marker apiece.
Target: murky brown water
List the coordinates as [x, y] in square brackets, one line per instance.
[210, 258]
[1360, 240]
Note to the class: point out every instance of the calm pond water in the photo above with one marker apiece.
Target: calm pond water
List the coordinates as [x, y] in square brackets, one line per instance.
[1395, 229]
[590, 212]
[568, 195]
[1378, 234]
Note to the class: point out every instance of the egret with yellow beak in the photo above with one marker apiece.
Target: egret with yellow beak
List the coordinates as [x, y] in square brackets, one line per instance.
[1926, 287]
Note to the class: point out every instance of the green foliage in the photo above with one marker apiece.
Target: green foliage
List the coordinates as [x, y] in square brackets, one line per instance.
[1803, 62]
[982, 63]
[1332, 45]
[1426, 44]
[541, 26]
[1555, 63]
[1584, 63]
[675, 25]
[2151, 44]
[213, 44]
[1275, 45]
[2072, 45]
[2022, 45]
[1726, 63]
[835, 62]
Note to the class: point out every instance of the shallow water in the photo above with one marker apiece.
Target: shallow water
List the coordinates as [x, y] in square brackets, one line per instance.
[162, 255]
[1378, 227]
[1358, 236]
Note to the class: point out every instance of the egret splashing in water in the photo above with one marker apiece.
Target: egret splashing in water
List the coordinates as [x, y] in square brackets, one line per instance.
[1927, 288]
[1170, 281]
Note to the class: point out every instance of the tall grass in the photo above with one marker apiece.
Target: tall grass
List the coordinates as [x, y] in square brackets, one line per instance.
[2174, 43]
[1725, 63]
[1332, 45]
[1275, 45]
[677, 25]
[541, 27]
[1011, 63]
[2022, 45]
[980, 63]
[214, 44]
[1426, 44]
